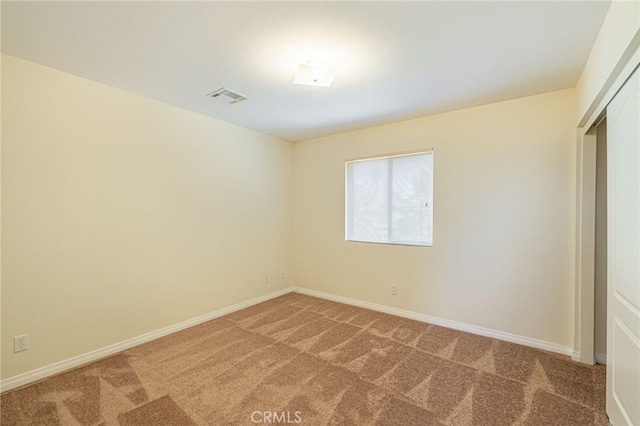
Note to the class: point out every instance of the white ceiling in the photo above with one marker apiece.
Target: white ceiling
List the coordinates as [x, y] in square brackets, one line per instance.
[397, 60]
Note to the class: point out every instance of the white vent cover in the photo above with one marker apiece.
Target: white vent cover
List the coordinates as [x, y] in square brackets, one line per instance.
[228, 95]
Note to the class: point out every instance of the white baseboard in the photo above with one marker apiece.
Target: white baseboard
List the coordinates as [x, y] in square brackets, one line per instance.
[527, 341]
[49, 370]
[58, 367]
[598, 358]
[601, 358]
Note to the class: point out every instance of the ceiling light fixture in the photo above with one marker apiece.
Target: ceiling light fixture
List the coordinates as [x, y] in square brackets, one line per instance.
[315, 73]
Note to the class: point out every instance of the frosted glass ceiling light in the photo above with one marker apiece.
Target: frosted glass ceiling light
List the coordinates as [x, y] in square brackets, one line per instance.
[315, 73]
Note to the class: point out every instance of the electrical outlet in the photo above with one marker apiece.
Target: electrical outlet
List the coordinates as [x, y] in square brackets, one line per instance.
[266, 279]
[282, 274]
[21, 343]
[394, 290]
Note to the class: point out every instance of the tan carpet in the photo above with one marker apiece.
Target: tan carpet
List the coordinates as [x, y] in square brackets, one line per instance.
[302, 360]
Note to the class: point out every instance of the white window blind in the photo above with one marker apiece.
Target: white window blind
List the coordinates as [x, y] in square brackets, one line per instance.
[389, 199]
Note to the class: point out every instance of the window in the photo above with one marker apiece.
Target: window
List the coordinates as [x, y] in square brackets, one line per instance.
[389, 199]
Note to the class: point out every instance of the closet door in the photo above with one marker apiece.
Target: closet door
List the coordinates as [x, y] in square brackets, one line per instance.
[623, 278]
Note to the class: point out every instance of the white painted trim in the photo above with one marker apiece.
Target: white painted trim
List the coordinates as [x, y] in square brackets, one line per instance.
[583, 290]
[597, 359]
[585, 247]
[527, 341]
[623, 70]
[58, 367]
[50, 370]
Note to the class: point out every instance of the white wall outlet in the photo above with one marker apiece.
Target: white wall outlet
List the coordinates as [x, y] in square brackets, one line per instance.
[394, 290]
[21, 343]
[266, 279]
[282, 274]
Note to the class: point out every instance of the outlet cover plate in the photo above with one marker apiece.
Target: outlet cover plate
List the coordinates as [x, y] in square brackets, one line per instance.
[21, 343]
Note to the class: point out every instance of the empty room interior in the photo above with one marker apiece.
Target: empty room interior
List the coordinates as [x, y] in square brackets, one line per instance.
[322, 213]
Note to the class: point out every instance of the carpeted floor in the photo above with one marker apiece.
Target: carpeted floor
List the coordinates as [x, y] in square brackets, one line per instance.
[302, 360]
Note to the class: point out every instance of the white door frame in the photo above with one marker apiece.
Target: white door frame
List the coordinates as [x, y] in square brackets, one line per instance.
[584, 326]
[584, 334]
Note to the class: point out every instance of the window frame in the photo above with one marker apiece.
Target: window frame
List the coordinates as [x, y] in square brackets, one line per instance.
[349, 217]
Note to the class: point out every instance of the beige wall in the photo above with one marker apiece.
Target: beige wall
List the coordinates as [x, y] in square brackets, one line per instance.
[115, 205]
[122, 215]
[504, 218]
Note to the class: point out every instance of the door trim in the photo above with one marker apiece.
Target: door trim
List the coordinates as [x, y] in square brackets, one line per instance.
[584, 334]
[584, 327]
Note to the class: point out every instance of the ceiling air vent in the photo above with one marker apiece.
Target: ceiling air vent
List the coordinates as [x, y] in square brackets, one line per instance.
[228, 95]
